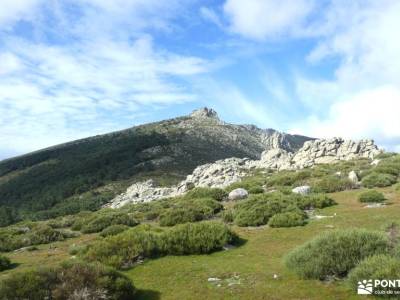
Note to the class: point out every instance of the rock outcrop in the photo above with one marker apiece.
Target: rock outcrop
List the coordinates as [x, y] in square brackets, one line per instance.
[227, 171]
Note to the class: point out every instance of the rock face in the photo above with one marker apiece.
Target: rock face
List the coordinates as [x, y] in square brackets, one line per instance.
[332, 150]
[227, 171]
[323, 151]
[238, 194]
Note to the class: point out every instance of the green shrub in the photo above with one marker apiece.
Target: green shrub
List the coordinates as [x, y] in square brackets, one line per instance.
[397, 187]
[289, 178]
[190, 210]
[227, 216]
[312, 201]
[371, 196]
[175, 216]
[126, 248]
[203, 192]
[376, 267]
[247, 183]
[335, 253]
[197, 238]
[288, 219]
[330, 184]
[5, 263]
[257, 210]
[72, 280]
[113, 230]
[378, 180]
[105, 219]
[29, 234]
[256, 190]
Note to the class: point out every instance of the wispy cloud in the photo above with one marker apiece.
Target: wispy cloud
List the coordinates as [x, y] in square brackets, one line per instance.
[101, 65]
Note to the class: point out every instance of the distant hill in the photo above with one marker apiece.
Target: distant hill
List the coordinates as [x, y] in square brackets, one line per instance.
[84, 174]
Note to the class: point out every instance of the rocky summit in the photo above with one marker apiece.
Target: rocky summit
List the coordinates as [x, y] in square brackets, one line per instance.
[227, 171]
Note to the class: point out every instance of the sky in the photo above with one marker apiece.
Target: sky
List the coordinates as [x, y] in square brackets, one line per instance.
[76, 68]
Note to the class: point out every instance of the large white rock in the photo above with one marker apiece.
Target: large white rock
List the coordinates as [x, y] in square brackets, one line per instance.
[353, 177]
[238, 194]
[302, 190]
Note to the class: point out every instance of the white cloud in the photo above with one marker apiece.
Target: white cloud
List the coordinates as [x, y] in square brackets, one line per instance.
[370, 113]
[15, 10]
[55, 92]
[262, 19]
[210, 15]
[363, 98]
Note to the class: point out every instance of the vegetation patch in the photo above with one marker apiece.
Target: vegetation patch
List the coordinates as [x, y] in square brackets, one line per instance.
[371, 196]
[335, 253]
[203, 192]
[5, 263]
[331, 183]
[288, 219]
[71, 280]
[113, 230]
[381, 267]
[375, 179]
[28, 234]
[145, 241]
[258, 209]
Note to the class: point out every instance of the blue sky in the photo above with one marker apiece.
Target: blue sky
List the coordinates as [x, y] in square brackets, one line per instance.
[75, 68]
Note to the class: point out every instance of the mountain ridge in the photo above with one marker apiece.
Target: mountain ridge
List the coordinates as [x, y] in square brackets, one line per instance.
[70, 177]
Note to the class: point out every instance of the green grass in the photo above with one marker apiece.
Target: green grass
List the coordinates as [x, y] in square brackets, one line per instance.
[255, 262]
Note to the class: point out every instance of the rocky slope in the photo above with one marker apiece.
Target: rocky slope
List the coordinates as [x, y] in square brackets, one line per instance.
[225, 172]
[71, 177]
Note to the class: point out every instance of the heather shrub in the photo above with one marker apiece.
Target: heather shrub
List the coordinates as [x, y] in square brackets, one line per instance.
[125, 249]
[203, 192]
[335, 253]
[5, 263]
[330, 184]
[371, 196]
[113, 230]
[71, 280]
[376, 267]
[105, 219]
[288, 219]
[378, 180]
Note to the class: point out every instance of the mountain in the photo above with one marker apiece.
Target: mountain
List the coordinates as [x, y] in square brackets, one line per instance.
[84, 174]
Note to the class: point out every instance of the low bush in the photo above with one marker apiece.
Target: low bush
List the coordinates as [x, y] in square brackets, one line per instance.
[376, 267]
[105, 219]
[397, 187]
[190, 210]
[256, 190]
[247, 183]
[330, 184]
[335, 253]
[71, 280]
[203, 192]
[145, 241]
[378, 180]
[197, 238]
[113, 230]
[227, 216]
[29, 234]
[5, 263]
[175, 216]
[371, 196]
[288, 219]
[289, 178]
[257, 210]
[312, 201]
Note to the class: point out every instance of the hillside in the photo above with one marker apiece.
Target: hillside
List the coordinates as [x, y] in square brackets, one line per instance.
[84, 174]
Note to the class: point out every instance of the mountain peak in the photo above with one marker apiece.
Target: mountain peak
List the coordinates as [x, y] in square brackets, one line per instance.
[204, 112]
